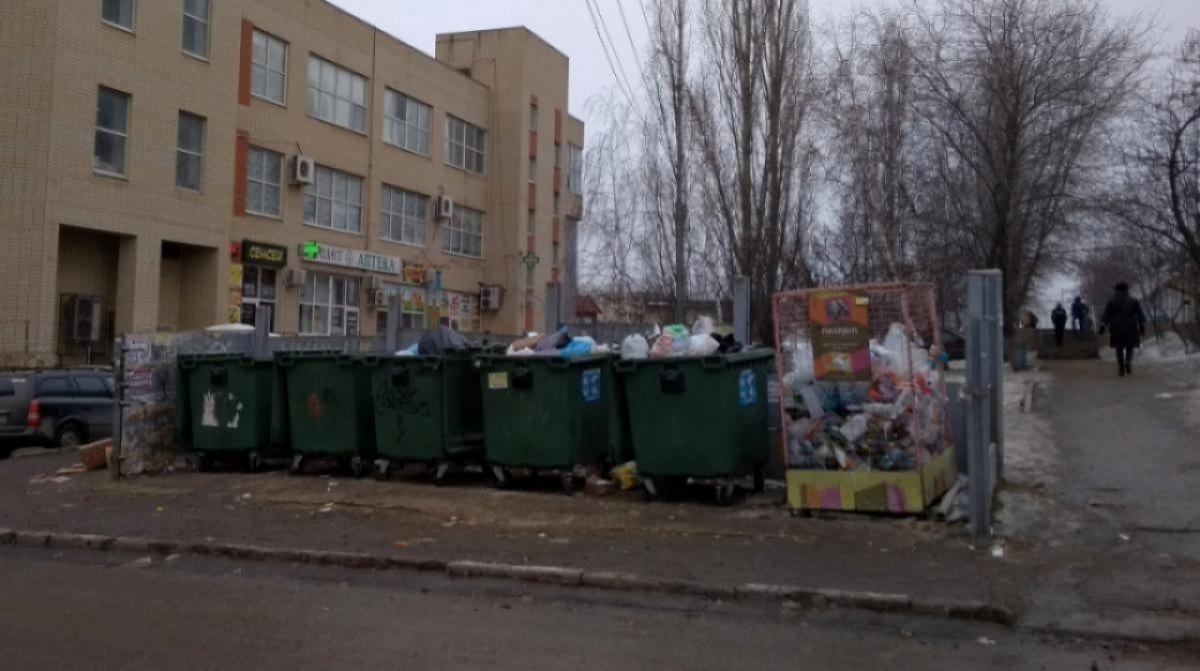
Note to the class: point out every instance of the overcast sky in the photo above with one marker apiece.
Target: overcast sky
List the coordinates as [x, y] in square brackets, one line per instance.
[568, 25]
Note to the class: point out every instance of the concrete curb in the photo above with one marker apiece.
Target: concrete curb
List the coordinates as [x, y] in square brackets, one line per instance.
[555, 575]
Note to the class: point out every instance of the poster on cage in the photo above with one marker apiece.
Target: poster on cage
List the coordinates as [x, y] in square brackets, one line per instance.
[841, 338]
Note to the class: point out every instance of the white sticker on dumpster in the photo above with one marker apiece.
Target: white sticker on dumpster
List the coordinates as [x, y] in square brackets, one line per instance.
[591, 385]
[748, 388]
[498, 380]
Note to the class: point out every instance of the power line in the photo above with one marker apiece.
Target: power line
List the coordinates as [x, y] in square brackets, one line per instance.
[613, 43]
[604, 46]
[632, 46]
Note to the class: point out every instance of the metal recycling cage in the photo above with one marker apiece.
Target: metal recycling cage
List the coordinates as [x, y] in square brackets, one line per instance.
[865, 424]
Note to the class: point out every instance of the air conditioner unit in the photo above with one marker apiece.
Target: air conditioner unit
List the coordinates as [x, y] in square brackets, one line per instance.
[374, 283]
[445, 207]
[87, 314]
[378, 298]
[303, 169]
[489, 298]
[294, 277]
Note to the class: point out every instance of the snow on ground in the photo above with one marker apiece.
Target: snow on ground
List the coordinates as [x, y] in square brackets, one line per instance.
[1165, 350]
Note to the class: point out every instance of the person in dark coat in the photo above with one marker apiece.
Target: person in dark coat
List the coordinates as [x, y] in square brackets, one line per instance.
[1079, 312]
[1058, 317]
[1126, 324]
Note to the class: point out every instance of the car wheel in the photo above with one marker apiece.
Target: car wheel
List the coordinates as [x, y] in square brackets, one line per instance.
[70, 435]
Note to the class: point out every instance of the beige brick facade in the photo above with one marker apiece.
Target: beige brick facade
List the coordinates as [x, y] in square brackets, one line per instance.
[161, 257]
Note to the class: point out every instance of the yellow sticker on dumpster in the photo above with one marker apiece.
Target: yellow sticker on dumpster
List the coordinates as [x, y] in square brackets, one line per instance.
[497, 380]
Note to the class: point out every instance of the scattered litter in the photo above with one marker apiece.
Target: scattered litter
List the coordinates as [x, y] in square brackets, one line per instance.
[42, 478]
[984, 640]
[72, 470]
[327, 508]
[1124, 537]
[542, 535]
[247, 495]
[171, 558]
[1165, 396]
[144, 562]
[998, 551]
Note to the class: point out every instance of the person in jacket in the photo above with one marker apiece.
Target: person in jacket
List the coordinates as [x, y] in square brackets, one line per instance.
[1126, 324]
[1058, 317]
[1079, 314]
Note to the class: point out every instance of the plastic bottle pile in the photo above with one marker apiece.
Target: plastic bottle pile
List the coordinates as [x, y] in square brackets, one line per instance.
[896, 422]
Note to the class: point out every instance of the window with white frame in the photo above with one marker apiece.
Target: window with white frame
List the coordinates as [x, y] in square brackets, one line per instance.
[532, 169]
[189, 151]
[195, 27]
[462, 234]
[533, 118]
[112, 131]
[406, 122]
[268, 67]
[575, 171]
[118, 12]
[334, 201]
[263, 170]
[336, 95]
[404, 216]
[329, 305]
[465, 145]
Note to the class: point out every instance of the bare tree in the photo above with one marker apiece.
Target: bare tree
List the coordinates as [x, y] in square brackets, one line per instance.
[1014, 95]
[751, 109]
[871, 114]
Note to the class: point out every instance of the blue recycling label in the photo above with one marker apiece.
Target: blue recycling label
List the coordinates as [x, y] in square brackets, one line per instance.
[591, 385]
[747, 388]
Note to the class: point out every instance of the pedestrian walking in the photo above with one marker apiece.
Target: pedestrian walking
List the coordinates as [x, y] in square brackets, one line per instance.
[1126, 324]
[1058, 317]
[1079, 312]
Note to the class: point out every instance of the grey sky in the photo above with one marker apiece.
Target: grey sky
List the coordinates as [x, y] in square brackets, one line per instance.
[567, 25]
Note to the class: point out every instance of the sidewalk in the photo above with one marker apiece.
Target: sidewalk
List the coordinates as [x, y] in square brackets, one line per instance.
[756, 542]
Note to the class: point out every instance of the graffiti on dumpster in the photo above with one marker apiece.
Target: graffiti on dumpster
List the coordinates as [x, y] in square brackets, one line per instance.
[747, 388]
[591, 385]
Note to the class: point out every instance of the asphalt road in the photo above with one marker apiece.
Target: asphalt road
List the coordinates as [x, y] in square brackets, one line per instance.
[97, 611]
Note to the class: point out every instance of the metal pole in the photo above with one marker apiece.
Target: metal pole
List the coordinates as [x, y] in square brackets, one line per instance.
[392, 337]
[260, 348]
[119, 388]
[978, 349]
[741, 309]
[994, 321]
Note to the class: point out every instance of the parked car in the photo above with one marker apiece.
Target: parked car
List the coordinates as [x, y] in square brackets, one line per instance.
[55, 408]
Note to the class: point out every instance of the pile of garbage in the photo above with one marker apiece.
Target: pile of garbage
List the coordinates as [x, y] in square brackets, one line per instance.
[560, 343]
[894, 422]
[677, 341]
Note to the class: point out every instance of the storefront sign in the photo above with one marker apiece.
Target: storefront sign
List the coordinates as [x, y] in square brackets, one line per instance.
[414, 274]
[841, 337]
[349, 258]
[261, 254]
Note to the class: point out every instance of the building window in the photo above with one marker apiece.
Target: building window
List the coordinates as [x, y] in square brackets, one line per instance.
[118, 12]
[558, 155]
[557, 204]
[112, 131]
[263, 182]
[404, 216]
[336, 95]
[189, 152]
[575, 171]
[329, 305]
[533, 118]
[463, 233]
[258, 293]
[532, 169]
[412, 308]
[406, 122]
[465, 145]
[334, 201]
[195, 27]
[268, 68]
[531, 223]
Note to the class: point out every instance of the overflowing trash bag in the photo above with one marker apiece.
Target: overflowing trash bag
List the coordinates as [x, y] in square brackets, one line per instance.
[890, 423]
[442, 340]
[677, 340]
[558, 344]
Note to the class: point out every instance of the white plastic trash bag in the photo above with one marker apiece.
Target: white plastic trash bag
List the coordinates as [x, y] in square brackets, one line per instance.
[635, 347]
[702, 345]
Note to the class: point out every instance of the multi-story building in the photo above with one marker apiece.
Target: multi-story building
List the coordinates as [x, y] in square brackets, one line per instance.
[169, 165]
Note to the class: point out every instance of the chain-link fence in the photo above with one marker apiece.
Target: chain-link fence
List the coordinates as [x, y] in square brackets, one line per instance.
[862, 381]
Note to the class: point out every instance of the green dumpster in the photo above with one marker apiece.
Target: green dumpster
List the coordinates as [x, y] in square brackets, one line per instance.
[226, 408]
[703, 419]
[329, 409]
[428, 409]
[545, 414]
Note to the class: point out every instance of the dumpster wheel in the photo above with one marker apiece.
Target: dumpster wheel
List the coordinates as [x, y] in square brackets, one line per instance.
[726, 491]
[358, 466]
[439, 473]
[203, 463]
[383, 469]
[253, 462]
[501, 478]
[297, 465]
[569, 483]
[650, 487]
